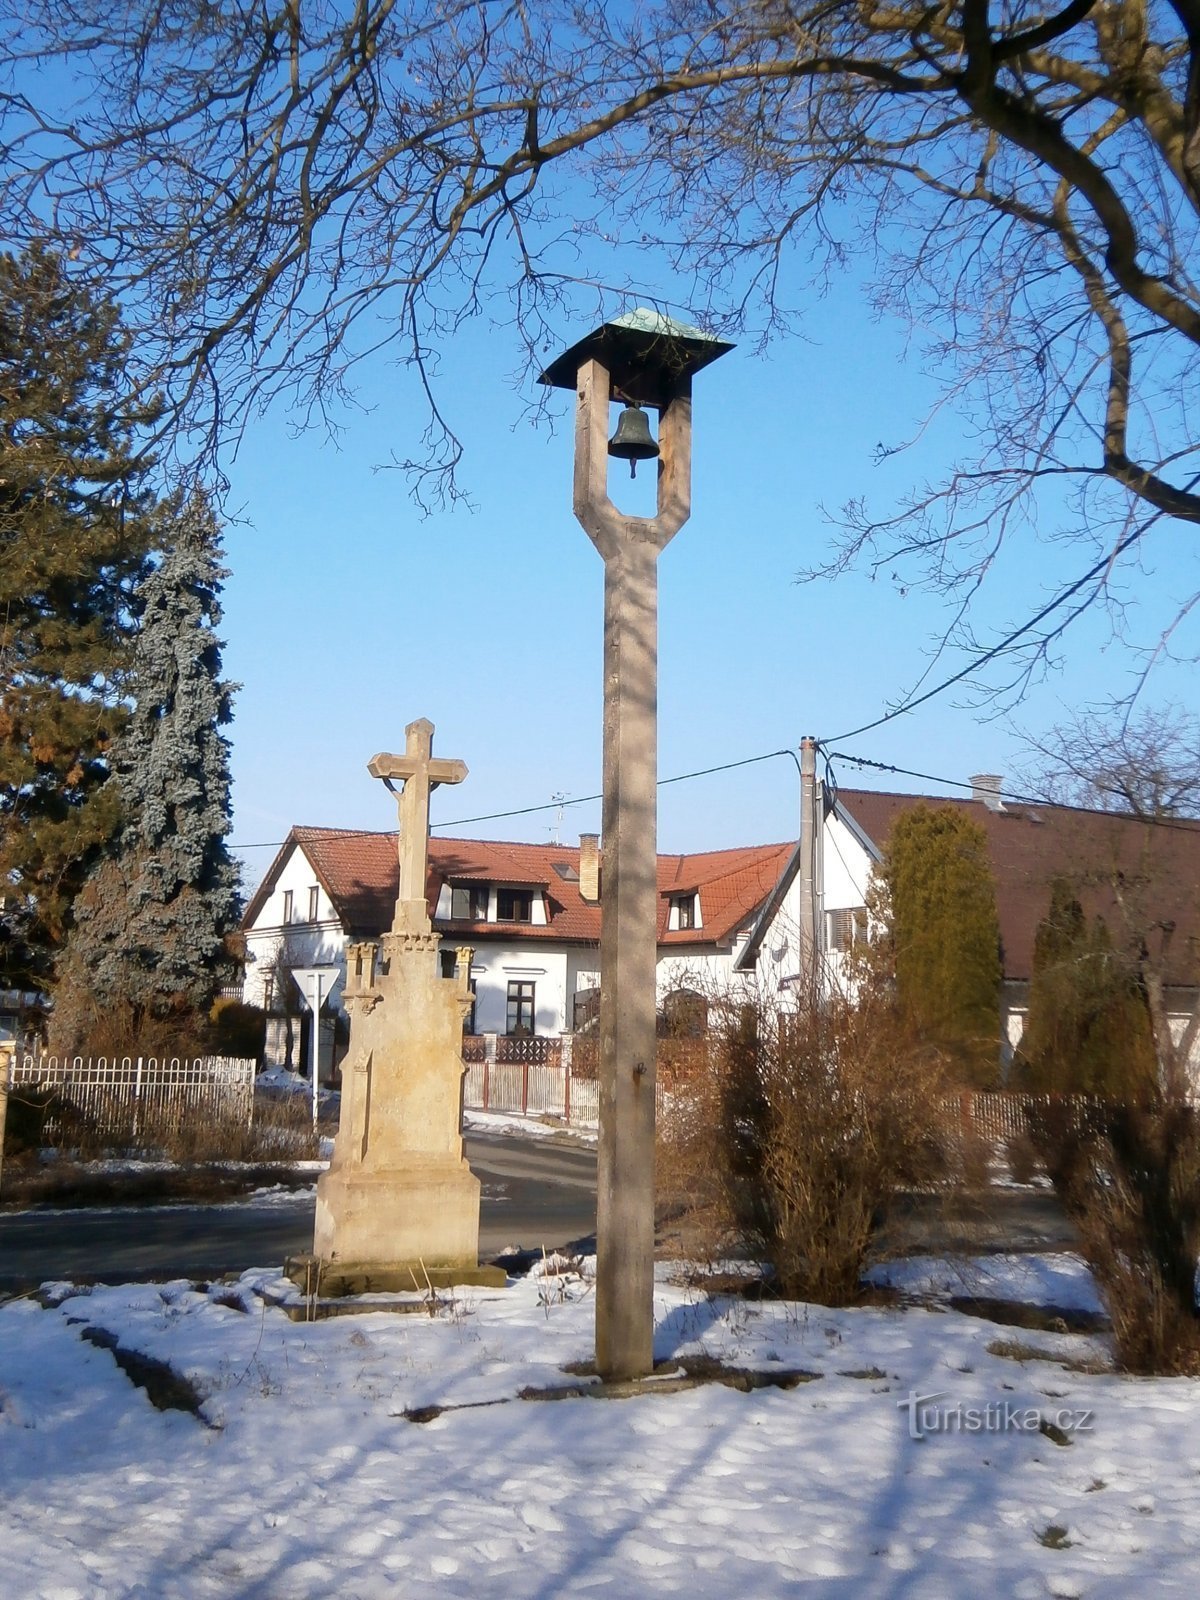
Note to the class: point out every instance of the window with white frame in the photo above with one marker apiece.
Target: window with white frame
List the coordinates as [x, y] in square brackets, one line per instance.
[287, 905]
[469, 902]
[683, 911]
[314, 903]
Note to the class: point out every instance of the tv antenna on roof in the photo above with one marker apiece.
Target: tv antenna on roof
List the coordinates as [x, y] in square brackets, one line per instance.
[560, 800]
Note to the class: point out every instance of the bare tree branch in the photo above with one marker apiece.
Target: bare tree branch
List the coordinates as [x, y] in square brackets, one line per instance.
[275, 190]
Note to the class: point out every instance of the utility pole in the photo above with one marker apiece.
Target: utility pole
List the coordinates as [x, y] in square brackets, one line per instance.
[810, 943]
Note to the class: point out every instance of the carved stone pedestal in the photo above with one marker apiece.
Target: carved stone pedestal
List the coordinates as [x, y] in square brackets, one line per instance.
[399, 1206]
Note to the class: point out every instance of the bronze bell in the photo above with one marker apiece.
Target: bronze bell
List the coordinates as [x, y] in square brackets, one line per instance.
[633, 441]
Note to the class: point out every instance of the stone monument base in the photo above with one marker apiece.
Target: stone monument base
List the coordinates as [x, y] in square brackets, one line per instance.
[402, 1228]
[337, 1280]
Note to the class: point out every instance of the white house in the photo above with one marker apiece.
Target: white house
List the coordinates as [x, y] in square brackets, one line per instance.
[1029, 847]
[530, 913]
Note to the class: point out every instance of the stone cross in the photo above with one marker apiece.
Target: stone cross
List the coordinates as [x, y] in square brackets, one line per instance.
[420, 774]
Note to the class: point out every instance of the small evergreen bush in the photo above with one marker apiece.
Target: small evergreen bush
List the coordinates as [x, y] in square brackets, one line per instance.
[237, 1029]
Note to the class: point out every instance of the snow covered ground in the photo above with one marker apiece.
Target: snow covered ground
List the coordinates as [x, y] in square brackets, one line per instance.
[302, 1476]
[525, 1127]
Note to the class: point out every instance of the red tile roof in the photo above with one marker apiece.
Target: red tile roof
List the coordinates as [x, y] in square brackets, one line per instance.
[1032, 844]
[1029, 845]
[359, 872]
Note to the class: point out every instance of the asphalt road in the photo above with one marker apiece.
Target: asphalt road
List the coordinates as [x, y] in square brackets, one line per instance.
[535, 1192]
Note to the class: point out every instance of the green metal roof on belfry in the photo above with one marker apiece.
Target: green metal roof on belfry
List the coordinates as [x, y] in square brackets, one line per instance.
[645, 352]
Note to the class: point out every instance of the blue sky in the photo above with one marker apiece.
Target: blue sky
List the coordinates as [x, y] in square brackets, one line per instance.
[348, 613]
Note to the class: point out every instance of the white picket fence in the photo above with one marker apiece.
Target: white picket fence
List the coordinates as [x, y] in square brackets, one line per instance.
[141, 1092]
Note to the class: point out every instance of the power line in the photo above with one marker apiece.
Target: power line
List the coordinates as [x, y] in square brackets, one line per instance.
[1179, 824]
[997, 649]
[682, 777]
[829, 756]
[582, 800]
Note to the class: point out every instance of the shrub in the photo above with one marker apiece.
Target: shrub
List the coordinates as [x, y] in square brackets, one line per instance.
[1024, 1160]
[1088, 1029]
[96, 1025]
[39, 1116]
[1129, 1175]
[940, 897]
[237, 1029]
[797, 1142]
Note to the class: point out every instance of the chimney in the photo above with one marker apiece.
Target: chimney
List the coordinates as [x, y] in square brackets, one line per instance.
[985, 787]
[589, 867]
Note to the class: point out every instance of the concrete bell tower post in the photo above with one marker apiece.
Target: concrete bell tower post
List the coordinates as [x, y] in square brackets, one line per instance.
[643, 360]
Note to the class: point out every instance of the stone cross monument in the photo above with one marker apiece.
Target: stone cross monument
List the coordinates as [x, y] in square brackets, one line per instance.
[420, 774]
[399, 1206]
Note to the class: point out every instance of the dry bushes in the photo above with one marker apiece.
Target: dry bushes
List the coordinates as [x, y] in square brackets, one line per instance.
[41, 1117]
[281, 1130]
[1129, 1175]
[796, 1143]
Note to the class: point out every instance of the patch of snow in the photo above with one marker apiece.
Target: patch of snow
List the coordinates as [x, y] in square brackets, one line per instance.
[1059, 1279]
[530, 1127]
[309, 1479]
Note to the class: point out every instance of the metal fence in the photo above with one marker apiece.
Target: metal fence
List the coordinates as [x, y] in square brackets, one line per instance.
[538, 1050]
[137, 1094]
[572, 1093]
[527, 1090]
[558, 1077]
[1004, 1114]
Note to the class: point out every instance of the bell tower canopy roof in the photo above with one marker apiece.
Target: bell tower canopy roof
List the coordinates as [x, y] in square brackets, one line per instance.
[646, 353]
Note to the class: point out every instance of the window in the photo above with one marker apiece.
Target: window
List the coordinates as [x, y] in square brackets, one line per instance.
[269, 992]
[684, 907]
[585, 1011]
[846, 927]
[519, 1019]
[287, 905]
[684, 1015]
[514, 905]
[314, 903]
[469, 902]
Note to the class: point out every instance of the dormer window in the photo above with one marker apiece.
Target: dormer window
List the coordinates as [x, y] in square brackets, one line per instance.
[684, 912]
[469, 902]
[514, 905]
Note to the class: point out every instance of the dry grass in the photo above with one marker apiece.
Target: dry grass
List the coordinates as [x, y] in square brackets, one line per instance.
[40, 1119]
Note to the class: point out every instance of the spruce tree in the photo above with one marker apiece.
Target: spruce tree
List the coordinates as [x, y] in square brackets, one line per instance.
[76, 524]
[946, 935]
[1088, 1028]
[153, 922]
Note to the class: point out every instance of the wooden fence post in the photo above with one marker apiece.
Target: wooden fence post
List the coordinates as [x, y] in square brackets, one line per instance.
[489, 1057]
